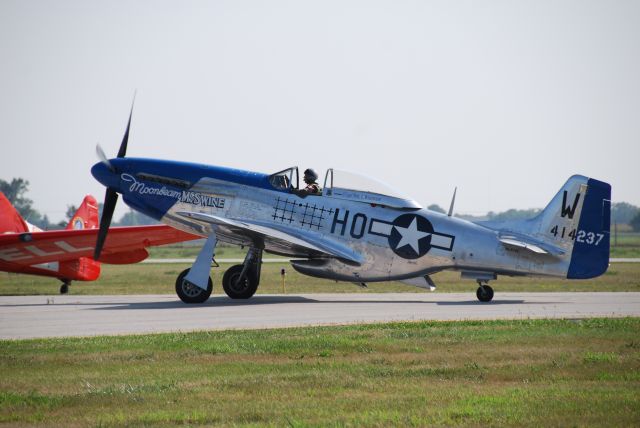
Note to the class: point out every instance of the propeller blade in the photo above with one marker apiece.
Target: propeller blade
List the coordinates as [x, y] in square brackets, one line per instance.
[111, 196]
[103, 158]
[110, 199]
[125, 140]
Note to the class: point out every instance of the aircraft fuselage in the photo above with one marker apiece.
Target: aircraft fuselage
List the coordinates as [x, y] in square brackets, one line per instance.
[394, 243]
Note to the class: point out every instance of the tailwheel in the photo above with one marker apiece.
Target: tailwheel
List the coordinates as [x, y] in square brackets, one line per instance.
[484, 292]
[238, 287]
[190, 293]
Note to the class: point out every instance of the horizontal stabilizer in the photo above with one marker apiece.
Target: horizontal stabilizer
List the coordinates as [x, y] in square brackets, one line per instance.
[530, 244]
[304, 239]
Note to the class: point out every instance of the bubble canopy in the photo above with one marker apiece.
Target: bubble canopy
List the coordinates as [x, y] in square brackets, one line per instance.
[353, 186]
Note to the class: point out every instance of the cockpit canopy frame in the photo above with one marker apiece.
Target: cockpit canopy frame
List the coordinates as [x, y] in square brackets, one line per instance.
[287, 179]
[346, 185]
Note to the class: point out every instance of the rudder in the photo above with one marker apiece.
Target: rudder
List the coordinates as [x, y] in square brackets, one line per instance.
[590, 256]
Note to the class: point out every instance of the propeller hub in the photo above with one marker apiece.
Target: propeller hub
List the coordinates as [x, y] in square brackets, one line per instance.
[105, 175]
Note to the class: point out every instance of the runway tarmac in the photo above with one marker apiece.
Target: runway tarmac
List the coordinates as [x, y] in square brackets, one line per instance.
[53, 316]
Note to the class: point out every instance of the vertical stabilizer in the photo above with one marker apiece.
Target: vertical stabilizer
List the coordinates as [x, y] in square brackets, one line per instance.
[86, 217]
[10, 220]
[578, 220]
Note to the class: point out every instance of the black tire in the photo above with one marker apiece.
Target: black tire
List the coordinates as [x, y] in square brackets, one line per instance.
[245, 289]
[189, 293]
[484, 293]
[64, 288]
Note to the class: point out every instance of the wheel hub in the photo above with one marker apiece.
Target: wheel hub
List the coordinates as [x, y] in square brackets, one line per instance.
[190, 289]
[238, 285]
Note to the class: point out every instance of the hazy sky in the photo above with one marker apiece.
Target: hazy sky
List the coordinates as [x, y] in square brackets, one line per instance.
[504, 99]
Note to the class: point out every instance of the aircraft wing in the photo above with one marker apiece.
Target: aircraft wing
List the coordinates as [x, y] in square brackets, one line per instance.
[308, 240]
[123, 245]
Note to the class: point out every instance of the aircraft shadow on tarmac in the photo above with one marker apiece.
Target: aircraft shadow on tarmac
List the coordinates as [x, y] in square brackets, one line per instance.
[273, 300]
[493, 302]
[214, 302]
[173, 304]
[221, 301]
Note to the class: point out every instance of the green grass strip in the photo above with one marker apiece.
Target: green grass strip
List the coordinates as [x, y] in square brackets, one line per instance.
[526, 373]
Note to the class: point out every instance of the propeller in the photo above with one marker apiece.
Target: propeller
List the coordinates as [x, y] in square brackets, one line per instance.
[110, 196]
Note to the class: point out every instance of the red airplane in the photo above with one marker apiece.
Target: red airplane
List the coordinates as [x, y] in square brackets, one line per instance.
[68, 254]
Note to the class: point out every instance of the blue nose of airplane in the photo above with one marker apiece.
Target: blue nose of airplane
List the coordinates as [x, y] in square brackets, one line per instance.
[105, 176]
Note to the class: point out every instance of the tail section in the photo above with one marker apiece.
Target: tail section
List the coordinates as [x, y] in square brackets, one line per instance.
[86, 217]
[578, 220]
[10, 220]
[83, 268]
[573, 229]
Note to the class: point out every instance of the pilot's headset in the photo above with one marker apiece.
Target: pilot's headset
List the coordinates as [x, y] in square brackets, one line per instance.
[310, 176]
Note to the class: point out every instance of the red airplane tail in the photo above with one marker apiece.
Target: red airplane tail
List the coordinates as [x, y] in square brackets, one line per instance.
[86, 217]
[10, 220]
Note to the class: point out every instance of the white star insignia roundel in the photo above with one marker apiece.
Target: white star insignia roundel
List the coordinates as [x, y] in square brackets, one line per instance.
[411, 236]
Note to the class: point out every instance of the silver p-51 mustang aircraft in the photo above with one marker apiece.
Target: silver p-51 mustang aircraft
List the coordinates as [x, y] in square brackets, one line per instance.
[354, 229]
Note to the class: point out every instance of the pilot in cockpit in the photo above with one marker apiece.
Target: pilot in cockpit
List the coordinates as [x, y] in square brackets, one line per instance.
[311, 178]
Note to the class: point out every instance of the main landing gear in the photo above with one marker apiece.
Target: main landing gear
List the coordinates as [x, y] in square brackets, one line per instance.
[64, 288]
[194, 285]
[484, 292]
[241, 281]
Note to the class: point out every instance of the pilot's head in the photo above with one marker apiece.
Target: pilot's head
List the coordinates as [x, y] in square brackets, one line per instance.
[310, 176]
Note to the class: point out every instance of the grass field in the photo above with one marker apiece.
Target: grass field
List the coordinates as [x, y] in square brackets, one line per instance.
[626, 245]
[160, 279]
[190, 250]
[525, 373]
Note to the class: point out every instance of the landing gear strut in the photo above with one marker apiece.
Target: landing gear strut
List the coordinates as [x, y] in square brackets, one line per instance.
[241, 281]
[484, 292]
[194, 285]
